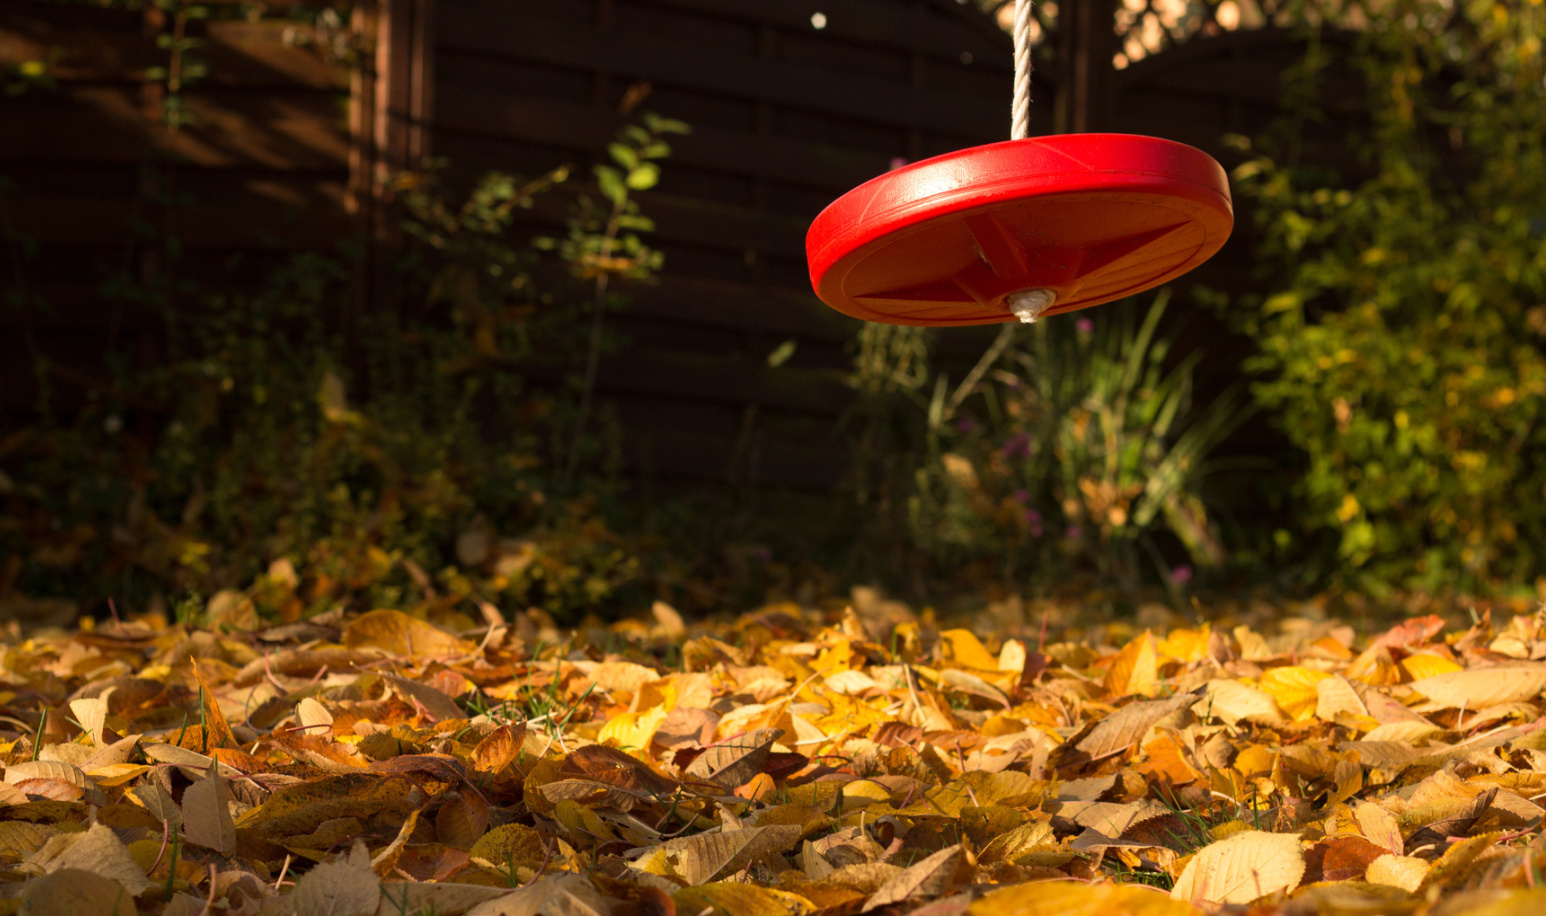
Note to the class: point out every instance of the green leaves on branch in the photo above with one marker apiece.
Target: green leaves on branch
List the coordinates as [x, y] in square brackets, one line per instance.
[1402, 347]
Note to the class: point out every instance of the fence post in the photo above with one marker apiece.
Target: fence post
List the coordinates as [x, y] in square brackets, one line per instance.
[394, 109]
[1087, 42]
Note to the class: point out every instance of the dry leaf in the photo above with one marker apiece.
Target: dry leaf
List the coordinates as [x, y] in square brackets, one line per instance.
[735, 760]
[1124, 728]
[1065, 898]
[206, 812]
[398, 634]
[345, 887]
[924, 880]
[1405, 872]
[1245, 867]
[704, 857]
[726, 898]
[76, 892]
[97, 850]
[1476, 688]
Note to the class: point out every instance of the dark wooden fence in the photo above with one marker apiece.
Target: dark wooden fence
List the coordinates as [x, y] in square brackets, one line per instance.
[792, 102]
[96, 173]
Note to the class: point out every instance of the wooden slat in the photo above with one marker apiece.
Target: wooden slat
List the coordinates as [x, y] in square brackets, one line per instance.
[104, 124]
[870, 22]
[464, 108]
[743, 306]
[662, 373]
[238, 53]
[485, 26]
[276, 215]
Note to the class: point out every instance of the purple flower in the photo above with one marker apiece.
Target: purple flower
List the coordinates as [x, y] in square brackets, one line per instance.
[966, 424]
[1022, 497]
[1037, 531]
[1073, 532]
[1181, 575]
[1084, 326]
[1017, 446]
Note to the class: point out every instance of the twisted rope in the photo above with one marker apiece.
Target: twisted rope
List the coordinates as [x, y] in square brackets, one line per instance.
[1020, 114]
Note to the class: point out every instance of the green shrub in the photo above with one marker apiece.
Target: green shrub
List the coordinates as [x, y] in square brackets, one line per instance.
[1073, 448]
[1401, 350]
[353, 464]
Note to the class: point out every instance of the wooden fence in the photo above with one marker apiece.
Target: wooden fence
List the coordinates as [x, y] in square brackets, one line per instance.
[96, 173]
[792, 102]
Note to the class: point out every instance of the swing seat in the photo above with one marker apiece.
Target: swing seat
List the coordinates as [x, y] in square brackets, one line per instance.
[1086, 217]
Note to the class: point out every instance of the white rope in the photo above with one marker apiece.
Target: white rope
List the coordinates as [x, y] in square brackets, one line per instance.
[1027, 304]
[1020, 114]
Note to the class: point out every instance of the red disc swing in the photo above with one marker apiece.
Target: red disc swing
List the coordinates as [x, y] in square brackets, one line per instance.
[1022, 228]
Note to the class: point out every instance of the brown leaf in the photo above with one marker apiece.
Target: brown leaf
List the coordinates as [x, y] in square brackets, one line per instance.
[462, 821]
[734, 761]
[612, 766]
[1340, 858]
[398, 634]
[97, 850]
[76, 892]
[1125, 727]
[499, 748]
[706, 856]
[207, 814]
[217, 732]
[924, 880]
[554, 895]
[343, 887]
[440, 707]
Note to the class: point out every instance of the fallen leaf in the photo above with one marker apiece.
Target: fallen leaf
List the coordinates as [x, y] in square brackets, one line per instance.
[1124, 728]
[397, 633]
[735, 760]
[1245, 867]
[76, 892]
[206, 813]
[923, 880]
[1065, 898]
[725, 898]
[344, 887]
[1476, 688]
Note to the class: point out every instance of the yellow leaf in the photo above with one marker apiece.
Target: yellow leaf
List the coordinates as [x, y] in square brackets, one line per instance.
[730, 898]
[1478, 688]
[862, 793]
[1066, 898]
[1247, 866]
[581, 822]
[634, 730]
[513, 845]
[1186, 645]
[963, 649]
[399, 634]
[1135, 670]
[1427, 664]
[1521, 902]
[1293, 688]
[1231, 701]
[1405, 872]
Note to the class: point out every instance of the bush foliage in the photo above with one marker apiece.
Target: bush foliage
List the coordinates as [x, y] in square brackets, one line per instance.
[1401, 350]
[400, 453]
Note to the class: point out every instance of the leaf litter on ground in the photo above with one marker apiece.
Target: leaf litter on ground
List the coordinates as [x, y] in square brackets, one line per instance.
[794, 761]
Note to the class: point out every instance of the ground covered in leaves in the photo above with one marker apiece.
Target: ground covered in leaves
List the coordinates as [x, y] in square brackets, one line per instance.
[791, 762]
